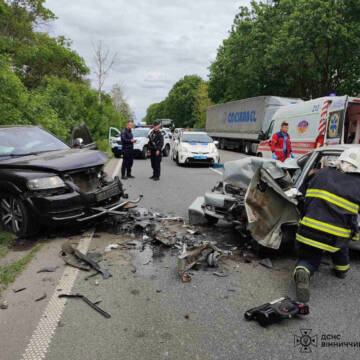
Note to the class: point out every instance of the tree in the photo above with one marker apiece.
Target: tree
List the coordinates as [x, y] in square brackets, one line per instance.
[202, 102]
[103, 64]
[302, 48]
[120, 103]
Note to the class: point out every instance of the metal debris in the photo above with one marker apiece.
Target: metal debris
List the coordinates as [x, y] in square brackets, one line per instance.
[85, 299]
[189, 257]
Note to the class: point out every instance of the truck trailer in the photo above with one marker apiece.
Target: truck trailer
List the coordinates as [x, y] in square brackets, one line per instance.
[237, 124]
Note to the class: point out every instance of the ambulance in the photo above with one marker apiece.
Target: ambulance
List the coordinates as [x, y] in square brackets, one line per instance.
[324, 121]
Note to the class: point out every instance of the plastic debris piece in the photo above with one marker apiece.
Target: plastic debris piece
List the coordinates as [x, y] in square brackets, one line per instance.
[16, 290]
[267, 263]
[111, 246]
[42, 297]
[48, 269]
[4, 305]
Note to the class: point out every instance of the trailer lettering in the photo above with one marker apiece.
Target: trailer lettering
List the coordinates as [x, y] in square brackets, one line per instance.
[243, 116]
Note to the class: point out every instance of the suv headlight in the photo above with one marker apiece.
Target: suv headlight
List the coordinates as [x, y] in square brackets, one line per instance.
[52, 182]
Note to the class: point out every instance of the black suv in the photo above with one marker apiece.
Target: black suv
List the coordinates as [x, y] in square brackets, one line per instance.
[44, 182]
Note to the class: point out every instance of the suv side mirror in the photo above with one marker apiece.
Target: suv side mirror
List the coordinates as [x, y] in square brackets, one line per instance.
[78, 143]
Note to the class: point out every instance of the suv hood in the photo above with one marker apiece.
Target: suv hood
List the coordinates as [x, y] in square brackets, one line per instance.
[58, 161]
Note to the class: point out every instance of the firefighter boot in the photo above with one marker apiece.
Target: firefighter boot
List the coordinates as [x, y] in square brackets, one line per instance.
[302, 281]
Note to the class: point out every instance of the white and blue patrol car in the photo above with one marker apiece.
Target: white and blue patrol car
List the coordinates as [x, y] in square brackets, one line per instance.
[195, 148]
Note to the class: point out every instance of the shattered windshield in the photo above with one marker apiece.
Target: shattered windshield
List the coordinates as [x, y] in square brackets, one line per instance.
[21, 141]
[198, 138]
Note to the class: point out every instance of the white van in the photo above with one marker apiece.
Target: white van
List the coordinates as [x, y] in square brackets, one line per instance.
[324, 121]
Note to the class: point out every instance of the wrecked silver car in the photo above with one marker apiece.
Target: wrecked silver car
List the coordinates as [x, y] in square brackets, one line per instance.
[262, 197]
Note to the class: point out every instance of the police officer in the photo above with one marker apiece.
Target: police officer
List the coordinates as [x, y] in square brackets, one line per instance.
[156, 143]
[281, 144]
[127, 140]
[331, 210]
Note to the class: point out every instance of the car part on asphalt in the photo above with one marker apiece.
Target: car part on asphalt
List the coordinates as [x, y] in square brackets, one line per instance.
[19, 289]
[266, 262]
[87, 301]
[48, 269]
[42, 297]
[68, 250]
[276, 311]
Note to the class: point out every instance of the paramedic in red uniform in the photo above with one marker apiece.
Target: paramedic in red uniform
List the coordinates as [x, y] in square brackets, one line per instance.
[281, 144]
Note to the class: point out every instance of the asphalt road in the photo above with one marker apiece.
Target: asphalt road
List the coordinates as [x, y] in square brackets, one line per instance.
[155, 316]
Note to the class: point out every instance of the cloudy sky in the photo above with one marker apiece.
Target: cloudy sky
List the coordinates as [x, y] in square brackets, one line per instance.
[157, 41]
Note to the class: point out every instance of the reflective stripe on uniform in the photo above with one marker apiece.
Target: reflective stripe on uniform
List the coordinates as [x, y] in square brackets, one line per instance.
[322, 226]
[342, 267]
[334, 199]
[316, 244]
[356, 237]
[301, 267]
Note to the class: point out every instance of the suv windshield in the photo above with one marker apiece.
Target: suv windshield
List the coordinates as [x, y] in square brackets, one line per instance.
[21, 141]
[140, 132]
[198, 138]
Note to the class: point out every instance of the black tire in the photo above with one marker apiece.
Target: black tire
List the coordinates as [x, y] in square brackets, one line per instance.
[222, 144]
[166, 150]
[211, 220]
[15, 217]
[177, 159]
[117, 155]
[144, 154]
[247, 148]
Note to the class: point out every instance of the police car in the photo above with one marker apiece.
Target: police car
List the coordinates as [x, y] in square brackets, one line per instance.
[141, 145]
[195, 148]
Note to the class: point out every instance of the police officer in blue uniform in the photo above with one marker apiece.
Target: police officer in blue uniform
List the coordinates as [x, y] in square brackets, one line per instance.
[127, 141]
[156, 143]
[332, 203]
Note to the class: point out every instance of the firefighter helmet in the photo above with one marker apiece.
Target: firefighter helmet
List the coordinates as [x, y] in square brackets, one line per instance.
[352, 157]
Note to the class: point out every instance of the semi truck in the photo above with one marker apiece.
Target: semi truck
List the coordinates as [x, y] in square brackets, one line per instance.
[237, 124]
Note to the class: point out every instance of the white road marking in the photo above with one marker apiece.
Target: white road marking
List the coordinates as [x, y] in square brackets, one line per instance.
[44, 332]
[217, 171]
[117, 168]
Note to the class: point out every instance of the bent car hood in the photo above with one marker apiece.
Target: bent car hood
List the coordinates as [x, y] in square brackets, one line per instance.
[58, 161]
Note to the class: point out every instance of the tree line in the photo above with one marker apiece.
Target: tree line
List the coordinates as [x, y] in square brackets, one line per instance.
[292, 48]
[42, 80]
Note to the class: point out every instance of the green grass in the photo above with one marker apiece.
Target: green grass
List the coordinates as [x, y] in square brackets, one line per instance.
[6, 240]
[8, 273]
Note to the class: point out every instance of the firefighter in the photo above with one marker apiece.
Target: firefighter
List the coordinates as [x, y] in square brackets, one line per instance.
[330, 221]
[156, 143]
[127, 141]
[281, 143]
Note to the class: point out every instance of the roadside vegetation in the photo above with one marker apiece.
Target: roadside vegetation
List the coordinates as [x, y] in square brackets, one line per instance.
[9, 272]
[43, 81]
[292, 48]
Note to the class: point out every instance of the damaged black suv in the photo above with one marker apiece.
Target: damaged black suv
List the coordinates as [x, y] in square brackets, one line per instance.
[44, 182]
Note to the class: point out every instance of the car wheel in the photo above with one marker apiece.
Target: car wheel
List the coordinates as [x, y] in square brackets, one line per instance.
[15, 216]
[144, 153]
[177, 159]
[211, 220]
[166, 151]
[117, 155]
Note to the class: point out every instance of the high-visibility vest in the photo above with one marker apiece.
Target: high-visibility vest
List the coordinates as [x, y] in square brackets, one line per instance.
[332, 204]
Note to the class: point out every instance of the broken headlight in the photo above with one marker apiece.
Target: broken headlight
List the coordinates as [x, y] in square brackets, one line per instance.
[52, 182]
